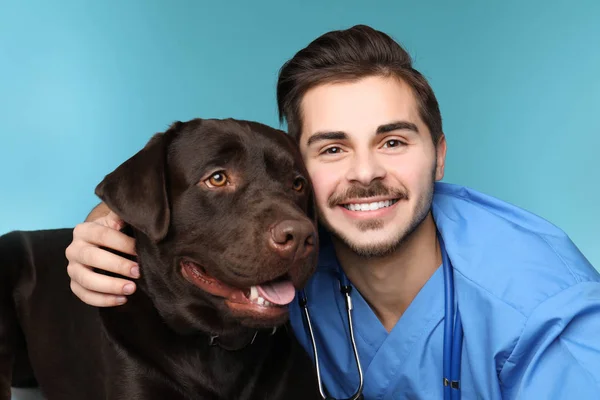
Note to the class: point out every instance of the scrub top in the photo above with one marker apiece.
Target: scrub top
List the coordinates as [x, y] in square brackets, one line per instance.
[529, 302]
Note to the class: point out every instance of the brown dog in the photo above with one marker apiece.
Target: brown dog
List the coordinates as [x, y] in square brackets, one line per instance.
[224, 224]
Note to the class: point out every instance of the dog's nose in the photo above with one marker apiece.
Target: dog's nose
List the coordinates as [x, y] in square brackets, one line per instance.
[292, 238]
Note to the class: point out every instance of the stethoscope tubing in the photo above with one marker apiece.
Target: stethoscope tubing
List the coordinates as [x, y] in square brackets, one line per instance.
[453, 334]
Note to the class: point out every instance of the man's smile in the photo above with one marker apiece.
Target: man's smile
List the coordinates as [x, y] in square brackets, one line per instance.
[368, 205]
[369, 208]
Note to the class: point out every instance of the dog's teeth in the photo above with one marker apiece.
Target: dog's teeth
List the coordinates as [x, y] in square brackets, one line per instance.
[257, 299]
[253, 293]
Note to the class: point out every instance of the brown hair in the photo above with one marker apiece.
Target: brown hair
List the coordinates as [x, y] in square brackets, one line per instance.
[348, 55]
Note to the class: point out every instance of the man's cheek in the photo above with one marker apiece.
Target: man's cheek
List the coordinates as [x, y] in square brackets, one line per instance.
[415, 178]
[323, 184]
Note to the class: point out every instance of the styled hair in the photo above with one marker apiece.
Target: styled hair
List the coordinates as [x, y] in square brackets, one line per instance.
[345, 56]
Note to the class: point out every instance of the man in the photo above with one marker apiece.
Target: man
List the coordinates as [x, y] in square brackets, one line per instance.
[370, 132]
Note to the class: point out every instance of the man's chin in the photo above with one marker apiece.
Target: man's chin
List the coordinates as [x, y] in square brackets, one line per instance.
[374, 250]
[374, 243]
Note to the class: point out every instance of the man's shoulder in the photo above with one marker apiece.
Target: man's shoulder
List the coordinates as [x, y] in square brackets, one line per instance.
[505, 251]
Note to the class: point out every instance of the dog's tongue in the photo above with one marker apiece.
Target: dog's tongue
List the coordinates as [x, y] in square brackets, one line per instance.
[281, 292]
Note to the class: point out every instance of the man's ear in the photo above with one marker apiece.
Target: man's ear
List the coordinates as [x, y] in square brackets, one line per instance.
[137, 190]
[440, 155]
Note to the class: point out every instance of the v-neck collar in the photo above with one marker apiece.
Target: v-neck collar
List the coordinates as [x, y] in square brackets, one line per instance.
[377, 347]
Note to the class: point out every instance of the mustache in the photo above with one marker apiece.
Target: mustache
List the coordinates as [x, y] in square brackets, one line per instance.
[360, 191]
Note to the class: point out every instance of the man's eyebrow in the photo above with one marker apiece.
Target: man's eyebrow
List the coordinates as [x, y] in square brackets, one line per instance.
[340, 135]
[397, 126]
[320, 136]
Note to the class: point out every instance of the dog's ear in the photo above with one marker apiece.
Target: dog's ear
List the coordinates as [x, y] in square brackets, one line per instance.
[137, 190]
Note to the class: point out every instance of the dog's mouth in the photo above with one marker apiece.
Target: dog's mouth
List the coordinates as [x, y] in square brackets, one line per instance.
[278, 292]
[268, 298]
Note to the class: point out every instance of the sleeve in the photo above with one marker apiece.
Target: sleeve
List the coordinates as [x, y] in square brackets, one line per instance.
[557, 355]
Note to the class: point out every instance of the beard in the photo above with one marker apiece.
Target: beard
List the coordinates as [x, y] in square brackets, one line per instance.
[423, 206]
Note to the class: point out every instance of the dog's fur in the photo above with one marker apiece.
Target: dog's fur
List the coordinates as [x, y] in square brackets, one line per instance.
[179, 336]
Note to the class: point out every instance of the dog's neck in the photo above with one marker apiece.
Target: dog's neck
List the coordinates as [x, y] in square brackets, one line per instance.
[140, 313]
[237, 342]
[138, 332]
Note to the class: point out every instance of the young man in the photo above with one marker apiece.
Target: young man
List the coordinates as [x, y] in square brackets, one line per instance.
[370, 131]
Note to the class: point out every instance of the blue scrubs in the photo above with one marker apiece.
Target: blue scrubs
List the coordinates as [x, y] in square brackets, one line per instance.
[529, 301]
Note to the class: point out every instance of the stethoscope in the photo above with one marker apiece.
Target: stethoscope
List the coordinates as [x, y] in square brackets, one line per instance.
[453, 334]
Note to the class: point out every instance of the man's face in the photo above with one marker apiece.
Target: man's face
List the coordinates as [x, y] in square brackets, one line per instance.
[371, 160]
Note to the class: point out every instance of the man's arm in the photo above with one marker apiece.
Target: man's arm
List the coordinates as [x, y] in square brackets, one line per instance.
[558, 353]
[101, 210]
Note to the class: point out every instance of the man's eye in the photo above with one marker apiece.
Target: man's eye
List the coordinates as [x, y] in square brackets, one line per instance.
[332, 150]
[393, 143]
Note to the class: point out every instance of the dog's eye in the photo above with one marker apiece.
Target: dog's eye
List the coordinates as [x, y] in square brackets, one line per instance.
[217, 179]
[299, 184]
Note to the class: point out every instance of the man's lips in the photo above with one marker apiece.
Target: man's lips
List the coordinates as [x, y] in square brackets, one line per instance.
[368, 208]
[373, 204]
[366, 200]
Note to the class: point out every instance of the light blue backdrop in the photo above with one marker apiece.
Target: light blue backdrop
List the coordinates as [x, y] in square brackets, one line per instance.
[84, 84]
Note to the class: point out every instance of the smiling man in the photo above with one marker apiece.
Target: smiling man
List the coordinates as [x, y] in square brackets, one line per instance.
[370, 131]
[373, 178]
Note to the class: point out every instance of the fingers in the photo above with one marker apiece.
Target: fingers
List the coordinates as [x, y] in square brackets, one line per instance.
[80, 253]
[102, 235]
[85, 255]
[95, 298]
[93, 281]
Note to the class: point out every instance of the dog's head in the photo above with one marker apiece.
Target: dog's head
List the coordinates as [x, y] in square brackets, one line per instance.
[224, 221]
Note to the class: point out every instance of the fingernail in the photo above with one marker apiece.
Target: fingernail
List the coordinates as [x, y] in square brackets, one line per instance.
[121, 300]
[128, 288]
[135, 272]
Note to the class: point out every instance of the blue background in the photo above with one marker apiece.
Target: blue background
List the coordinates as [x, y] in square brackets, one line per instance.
[84, 84]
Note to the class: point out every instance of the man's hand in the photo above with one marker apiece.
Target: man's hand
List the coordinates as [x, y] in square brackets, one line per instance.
[84, 254]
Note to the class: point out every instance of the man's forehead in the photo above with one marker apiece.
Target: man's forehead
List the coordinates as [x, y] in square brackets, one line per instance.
[358, 106]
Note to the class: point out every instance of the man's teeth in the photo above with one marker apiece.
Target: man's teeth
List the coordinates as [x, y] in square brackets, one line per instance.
[369, 206]
[255, 297]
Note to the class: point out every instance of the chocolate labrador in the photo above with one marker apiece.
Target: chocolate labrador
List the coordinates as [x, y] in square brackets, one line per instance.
[224, 222]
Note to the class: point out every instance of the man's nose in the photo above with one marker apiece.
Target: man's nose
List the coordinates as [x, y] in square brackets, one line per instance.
[365, 168]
